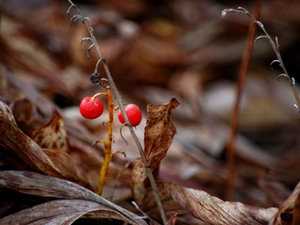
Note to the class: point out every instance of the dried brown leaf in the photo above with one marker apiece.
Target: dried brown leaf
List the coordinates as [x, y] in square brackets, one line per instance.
[27, 115]
[58, 212]
[18, 148]
[213, 210]
[159, 133]
[21, 146]
[46, 186]
[139, 182]
[52, 135]
[289, 212]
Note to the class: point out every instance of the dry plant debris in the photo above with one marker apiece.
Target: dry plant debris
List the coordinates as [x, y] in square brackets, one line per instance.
[213, 210]
[159, 134]
[156, 51]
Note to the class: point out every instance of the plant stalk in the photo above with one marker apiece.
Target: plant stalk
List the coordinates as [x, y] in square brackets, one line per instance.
[107, 145]
[121, 106]
[236, 108]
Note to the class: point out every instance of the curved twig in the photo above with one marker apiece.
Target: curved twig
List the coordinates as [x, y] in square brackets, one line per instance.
[102, 59]
[282, 75]
[275, 45]
[121, 134]
[87, 50]
[274, 61]
[260, 37]
[75, 18]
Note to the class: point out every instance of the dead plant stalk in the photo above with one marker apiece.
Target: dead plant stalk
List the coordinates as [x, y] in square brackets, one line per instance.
[235, 112]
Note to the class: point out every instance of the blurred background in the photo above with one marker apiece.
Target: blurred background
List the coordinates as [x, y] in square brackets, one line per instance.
[157, 50]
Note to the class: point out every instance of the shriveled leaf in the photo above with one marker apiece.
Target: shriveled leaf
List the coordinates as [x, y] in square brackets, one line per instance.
[46, 186]
[18, 148]
[19, 144]
[213, 210]
[289, 212]
[52, 135]
[60, 212]
[139, 182]
[159, 133]
[27, 115]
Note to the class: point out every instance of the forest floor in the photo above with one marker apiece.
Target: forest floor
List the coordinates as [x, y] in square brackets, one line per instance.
[156, 51]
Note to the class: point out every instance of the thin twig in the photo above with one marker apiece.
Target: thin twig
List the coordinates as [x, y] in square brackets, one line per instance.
[118, 98]
[236, 108]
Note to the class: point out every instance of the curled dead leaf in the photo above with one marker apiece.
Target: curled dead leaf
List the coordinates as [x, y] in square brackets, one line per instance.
[17, 148]
[159, 134]
[52, 135]
[20, 145]
[46, 186]
[58, 212]
[214, 211]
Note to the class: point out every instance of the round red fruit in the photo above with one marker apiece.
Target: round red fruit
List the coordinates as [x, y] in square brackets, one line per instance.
[133, 113]
[91, 108]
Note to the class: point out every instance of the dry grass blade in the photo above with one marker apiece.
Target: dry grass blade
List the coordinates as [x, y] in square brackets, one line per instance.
[214, 211]
[46, 186]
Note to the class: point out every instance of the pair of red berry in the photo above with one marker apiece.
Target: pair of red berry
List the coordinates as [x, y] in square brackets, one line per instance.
[92, 108]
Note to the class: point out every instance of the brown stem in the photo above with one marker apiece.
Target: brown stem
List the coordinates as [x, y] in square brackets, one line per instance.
[236, 109]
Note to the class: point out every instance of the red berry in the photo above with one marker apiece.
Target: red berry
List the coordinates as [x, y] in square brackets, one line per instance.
[134, 115]
[91, 109]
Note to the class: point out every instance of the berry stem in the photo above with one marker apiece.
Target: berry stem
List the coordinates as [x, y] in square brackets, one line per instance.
[107, 144]
[96, 95]
[118, 98]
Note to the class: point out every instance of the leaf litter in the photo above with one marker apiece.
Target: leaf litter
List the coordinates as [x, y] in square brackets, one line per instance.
[46, 150]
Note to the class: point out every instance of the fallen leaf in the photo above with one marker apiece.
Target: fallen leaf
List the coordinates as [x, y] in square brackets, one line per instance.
[27, 115]
[52, 135]
[42, 185]
[289, 212]
[17, 148]
[14, 141]
[58, 212]
[159, 133]
[214, 211]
